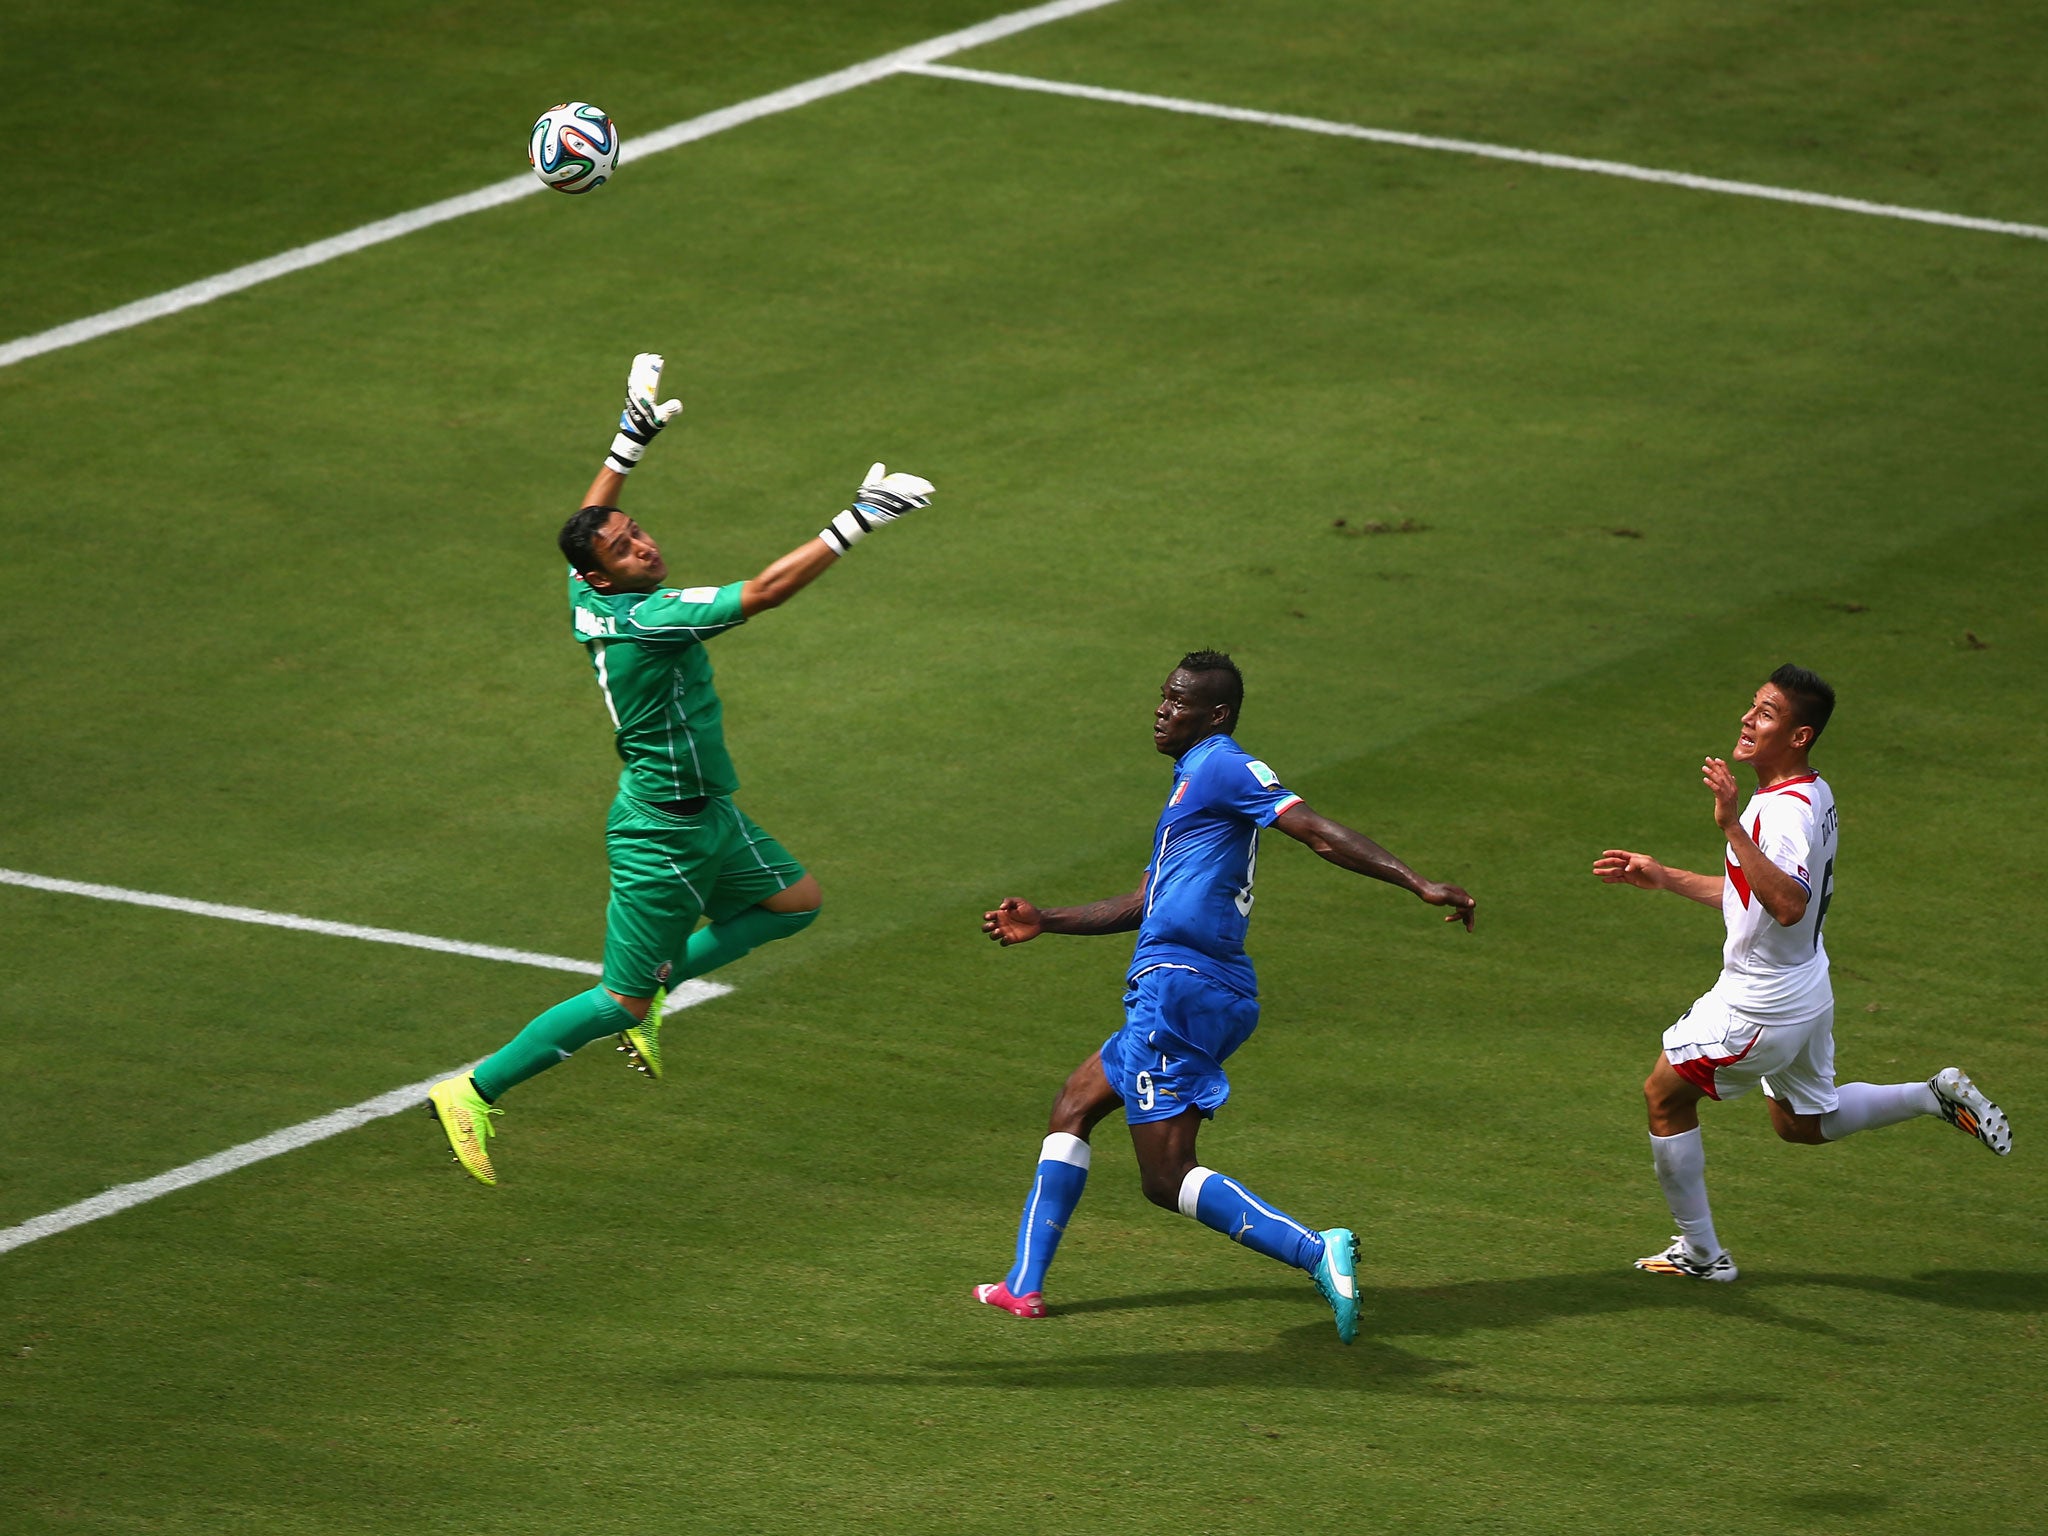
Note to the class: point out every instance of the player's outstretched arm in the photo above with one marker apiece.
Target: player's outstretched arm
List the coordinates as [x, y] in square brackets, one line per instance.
[1016, 921]
[639, 424]
[1618, 866]
[786, 577]
[1352, 850]
[881, 499]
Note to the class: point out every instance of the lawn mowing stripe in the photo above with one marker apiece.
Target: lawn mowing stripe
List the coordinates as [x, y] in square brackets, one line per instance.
[1483, 151]
[207, 289]
[123, 1196]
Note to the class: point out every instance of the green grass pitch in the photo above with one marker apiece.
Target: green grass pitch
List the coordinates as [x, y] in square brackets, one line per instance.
[282, 627]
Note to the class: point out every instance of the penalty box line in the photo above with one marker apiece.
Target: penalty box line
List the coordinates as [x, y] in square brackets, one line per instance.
[1542, 158]
[219, 286]
[126, 1196]
[918, 59]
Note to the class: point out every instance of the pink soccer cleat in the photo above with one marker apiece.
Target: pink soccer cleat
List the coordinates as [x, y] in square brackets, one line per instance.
[998, 1295]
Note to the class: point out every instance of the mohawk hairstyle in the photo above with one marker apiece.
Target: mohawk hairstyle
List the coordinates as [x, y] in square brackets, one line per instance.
[1225, 682]
[1812, 700]
[577, 534]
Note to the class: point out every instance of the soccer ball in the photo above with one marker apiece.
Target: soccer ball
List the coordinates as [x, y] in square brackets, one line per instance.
[573, 147]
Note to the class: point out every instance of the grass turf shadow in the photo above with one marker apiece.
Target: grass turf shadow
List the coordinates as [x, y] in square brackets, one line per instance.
[1978, 1290]
[1305, 1356]
[1447, 1311]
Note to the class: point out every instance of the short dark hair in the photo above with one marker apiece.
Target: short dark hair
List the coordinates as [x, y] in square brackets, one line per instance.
[1811, 698]
[1226, 685]
[577, 534]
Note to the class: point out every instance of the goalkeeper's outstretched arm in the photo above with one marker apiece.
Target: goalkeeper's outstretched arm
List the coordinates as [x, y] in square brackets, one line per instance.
[640, 422]
[786, 577]
[881, 499]
[604, 490]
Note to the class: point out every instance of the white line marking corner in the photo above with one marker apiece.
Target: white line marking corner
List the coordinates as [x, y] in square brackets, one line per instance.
[513, 188]
[1482, 151]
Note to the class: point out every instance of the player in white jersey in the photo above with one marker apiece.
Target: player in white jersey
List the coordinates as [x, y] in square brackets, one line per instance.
[1770, 1017]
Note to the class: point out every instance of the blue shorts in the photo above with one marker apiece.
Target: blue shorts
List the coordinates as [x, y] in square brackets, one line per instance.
[1179, 1029]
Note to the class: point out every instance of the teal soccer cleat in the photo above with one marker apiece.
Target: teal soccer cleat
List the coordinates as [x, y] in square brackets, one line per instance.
[1336, 1276]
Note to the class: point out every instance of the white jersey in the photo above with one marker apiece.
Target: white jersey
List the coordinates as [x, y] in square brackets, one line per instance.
[1770, 973]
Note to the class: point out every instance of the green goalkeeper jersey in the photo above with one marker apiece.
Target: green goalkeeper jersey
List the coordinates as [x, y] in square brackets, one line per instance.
[647, 649]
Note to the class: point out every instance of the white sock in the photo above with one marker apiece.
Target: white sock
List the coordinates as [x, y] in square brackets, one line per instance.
[1060, 1147]
[1866, 1106]
[1682, 1170]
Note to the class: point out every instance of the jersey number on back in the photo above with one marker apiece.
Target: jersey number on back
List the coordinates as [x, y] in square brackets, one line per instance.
[1827, 894]
[1251, 872]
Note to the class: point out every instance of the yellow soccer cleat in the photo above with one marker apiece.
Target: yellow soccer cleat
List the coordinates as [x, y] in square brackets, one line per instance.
[642, 1043]
[466, 1120]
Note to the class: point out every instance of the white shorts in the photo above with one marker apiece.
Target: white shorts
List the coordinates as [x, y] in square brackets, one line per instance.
[1724, 1055]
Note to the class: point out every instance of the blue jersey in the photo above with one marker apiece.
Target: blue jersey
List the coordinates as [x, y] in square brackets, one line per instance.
[1205, 852]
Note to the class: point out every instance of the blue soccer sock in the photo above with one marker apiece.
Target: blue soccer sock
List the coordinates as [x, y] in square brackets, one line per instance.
[1062, 1175]
[1228, 1207]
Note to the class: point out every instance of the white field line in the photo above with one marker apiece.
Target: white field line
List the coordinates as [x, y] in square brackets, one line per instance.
[207, 289]
[123, 1196]
[1483, 151]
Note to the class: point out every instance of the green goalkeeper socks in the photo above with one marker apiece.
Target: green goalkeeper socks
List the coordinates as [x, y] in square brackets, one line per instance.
[569, 1026]
[553, 1037]
[719, 944]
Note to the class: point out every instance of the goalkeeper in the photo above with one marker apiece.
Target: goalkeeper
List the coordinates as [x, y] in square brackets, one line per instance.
[679, 848]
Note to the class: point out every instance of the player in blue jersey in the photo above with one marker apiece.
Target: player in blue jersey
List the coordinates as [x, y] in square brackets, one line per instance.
[1191, 997]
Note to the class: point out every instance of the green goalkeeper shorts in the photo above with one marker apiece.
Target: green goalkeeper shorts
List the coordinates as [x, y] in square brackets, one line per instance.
[667, 871]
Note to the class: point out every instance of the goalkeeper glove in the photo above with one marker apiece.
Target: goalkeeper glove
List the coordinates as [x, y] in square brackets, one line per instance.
[882, 498]
[643, 416]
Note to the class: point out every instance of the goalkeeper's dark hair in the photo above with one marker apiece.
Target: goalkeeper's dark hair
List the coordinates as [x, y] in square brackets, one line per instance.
[577, 534]
[1812, 700]
[1223, 683]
